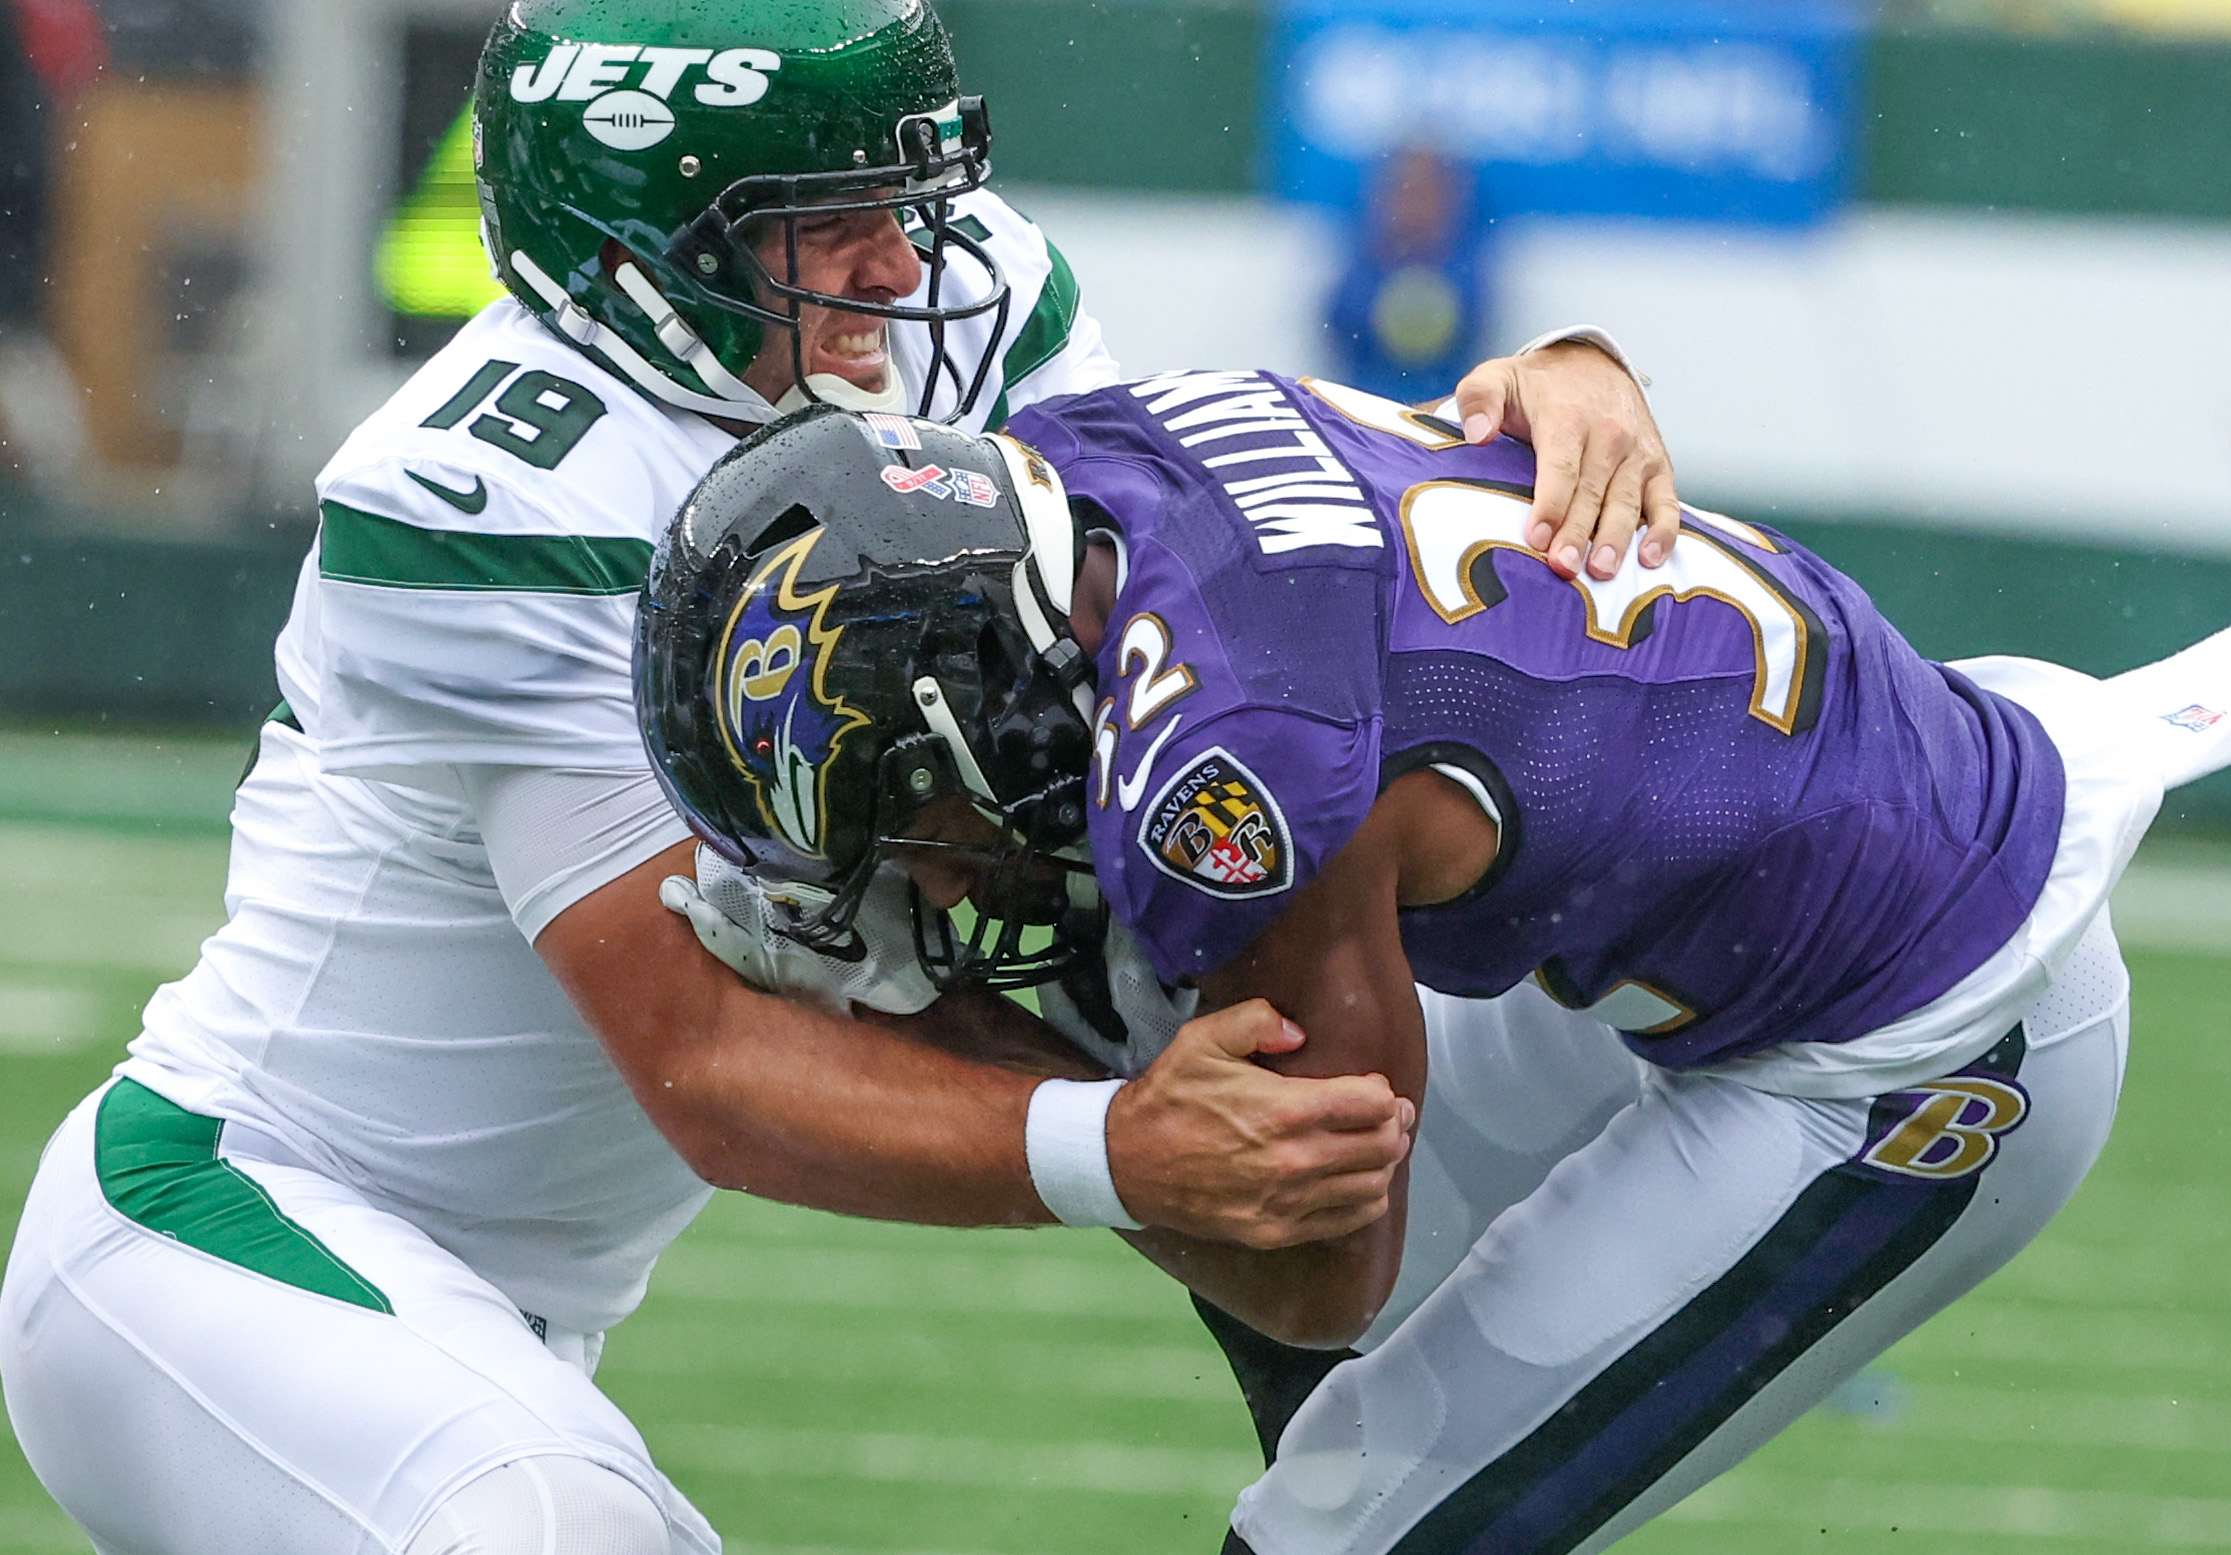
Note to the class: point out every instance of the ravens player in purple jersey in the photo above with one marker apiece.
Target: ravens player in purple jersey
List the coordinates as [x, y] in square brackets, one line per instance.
[1752, 973]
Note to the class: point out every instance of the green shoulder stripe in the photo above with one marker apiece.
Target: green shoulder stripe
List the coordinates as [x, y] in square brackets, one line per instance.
[1043, 334]
[158, 1167]
[358, 547]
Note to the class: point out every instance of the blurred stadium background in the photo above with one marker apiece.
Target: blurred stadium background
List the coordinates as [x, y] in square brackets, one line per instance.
[1943, 287]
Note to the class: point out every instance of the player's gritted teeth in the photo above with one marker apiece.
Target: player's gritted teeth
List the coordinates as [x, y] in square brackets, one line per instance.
[858, 355]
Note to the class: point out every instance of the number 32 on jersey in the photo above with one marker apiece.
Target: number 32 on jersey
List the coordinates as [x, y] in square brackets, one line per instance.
[1151, 685]
[1453, 529]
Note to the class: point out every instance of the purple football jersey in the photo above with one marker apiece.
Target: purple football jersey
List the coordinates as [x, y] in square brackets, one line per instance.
[1736, 808]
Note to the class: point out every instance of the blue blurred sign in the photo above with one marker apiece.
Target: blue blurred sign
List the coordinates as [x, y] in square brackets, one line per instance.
[1742, 110]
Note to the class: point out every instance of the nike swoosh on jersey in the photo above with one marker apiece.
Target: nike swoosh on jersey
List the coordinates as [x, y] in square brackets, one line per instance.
[473, 501]
[1130, 789]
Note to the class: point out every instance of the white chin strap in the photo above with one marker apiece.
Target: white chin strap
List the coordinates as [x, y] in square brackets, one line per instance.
[685, 343]
[731, 398]
[929, 696]
[573, 322]
[678, 337]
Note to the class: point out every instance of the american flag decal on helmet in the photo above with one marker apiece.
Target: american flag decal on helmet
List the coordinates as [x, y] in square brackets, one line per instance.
[892, 431]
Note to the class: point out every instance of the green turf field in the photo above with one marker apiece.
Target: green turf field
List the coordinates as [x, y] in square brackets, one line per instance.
[821, 1385]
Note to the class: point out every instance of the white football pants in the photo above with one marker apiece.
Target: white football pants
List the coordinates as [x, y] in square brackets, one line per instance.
[210, 1350]
[1619, 1282]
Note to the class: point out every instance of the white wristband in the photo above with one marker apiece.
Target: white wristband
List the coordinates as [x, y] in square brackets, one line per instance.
[1065, 1140]
[1588, 334]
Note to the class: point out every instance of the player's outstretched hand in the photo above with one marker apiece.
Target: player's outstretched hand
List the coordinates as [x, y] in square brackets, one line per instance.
[1601, 470]
[1209, 1143]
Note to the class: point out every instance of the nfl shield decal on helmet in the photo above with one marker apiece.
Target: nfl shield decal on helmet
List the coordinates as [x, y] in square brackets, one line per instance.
[781, 724]
[1216, 827]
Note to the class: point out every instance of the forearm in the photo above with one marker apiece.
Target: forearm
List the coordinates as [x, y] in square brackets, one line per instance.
[759, 1093]
[1317, 1294]
[1334, 962]
[846, 1116]
[925, 1120]
[987, 1029]
[1281, 1292]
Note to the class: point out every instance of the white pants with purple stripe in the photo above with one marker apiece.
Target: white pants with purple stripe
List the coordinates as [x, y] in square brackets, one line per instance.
[1619, 1283]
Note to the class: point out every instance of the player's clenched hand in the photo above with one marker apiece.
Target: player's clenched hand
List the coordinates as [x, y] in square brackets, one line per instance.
[1209, 1143]
[1601, 470]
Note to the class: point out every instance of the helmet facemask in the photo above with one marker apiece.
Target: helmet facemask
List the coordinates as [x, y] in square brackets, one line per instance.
[1003, 733]
[715, 259]
[1006, 734]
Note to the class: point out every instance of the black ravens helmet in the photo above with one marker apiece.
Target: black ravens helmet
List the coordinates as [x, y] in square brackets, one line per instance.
[853, 617]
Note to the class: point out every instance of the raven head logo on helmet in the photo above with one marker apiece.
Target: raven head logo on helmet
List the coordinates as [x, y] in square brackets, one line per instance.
[645, 171]
[829, 659]
[777, 717]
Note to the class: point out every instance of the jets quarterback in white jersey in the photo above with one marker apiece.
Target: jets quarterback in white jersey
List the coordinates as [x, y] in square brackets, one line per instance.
[326, 1265]
[469, 610]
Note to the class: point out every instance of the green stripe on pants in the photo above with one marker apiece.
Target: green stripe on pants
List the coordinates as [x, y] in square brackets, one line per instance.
[158, 1167]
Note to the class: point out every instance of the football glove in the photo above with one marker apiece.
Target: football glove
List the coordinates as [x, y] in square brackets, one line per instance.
[741, 922]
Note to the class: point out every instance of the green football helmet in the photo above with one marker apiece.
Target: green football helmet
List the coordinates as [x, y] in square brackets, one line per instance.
[679, 130]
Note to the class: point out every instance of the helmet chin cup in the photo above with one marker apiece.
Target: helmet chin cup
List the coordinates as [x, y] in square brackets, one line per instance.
[829, 389]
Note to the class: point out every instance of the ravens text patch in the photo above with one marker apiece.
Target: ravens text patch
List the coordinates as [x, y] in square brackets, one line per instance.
[1216, 827]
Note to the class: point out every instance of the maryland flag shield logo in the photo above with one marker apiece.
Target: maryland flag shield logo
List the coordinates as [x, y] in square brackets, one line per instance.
[1216, 827]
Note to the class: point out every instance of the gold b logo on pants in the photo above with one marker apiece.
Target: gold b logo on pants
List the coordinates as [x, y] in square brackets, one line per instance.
[1952, 1130]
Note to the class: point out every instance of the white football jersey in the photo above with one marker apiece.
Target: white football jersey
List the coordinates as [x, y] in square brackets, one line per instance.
[470, 602]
